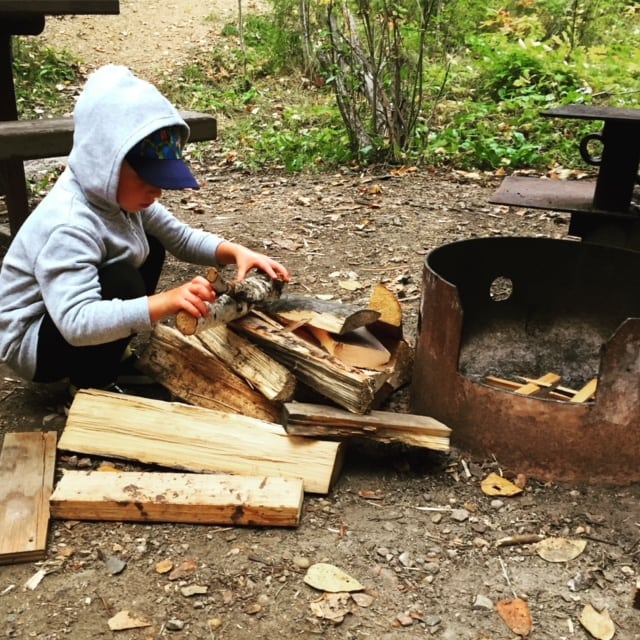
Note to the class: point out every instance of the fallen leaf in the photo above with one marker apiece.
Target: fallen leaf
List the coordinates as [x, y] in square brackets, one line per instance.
[597, 623]
[350, 285]
[253, 608]
[127, 620]
[560, 549]
[516, 615]
[332, 606]
[327, 577]
[164, 566]
[184, 569]
[495, 485]
[371, 495]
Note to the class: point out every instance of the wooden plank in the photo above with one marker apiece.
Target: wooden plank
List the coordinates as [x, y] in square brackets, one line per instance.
[587, 392]
[51, 137]
[304, 419]
[503, 383]
[178, 497]
[535, 386]
[186, 437]
[27, 464]
[191, 372]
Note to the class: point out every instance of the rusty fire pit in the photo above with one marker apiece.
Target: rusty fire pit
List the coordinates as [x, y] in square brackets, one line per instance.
[511, 307]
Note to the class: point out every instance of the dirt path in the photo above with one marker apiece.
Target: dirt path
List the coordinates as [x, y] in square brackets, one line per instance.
[152, 37]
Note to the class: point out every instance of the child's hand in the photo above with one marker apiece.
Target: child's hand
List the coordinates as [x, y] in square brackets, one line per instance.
[246, 259]
[191, 297]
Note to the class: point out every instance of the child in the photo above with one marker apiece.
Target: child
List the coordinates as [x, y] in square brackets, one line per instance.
[79, 278]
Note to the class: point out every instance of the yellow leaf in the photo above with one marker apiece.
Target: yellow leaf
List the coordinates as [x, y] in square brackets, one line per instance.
[560, 549]
[597, 623]
[495, 485]
[326, 577]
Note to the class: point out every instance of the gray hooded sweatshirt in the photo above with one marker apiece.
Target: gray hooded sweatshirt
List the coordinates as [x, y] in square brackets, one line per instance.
[52, 263]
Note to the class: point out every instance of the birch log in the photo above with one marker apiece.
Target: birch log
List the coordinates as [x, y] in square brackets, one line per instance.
[235, 299]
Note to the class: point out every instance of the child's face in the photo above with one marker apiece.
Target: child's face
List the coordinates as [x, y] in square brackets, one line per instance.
[134, 193]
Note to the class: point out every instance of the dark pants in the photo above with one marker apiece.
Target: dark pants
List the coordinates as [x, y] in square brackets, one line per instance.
[97, 365]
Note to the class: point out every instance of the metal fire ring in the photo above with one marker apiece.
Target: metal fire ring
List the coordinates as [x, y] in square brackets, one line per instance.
[517, 306]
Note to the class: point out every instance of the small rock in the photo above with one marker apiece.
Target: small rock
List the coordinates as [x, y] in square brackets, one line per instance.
[482, 602]
[301, 562]
[114, 565]
[174, 625]
[459, 515]
[194, 590]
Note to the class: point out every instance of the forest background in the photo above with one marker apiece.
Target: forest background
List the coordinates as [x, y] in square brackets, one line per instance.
[310, 85]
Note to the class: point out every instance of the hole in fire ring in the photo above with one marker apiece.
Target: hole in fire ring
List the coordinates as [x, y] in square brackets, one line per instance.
[501, 289]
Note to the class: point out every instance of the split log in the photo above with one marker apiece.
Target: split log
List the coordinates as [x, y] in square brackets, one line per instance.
[27, 465]
[186, 437]
[386, 303]
[178, 497]
[398, 370]
[191, 372]
[314, 420]
[349, 387]
[334, 317]
[234, 301]
[275, 382]
[358, 348]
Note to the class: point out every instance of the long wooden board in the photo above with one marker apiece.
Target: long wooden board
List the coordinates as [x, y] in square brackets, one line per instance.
[181, 436]
[305, 419]
[178, 497]
[27, 465]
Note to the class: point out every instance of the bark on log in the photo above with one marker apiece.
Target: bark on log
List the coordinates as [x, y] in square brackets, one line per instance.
[333, 317]
[235, 299]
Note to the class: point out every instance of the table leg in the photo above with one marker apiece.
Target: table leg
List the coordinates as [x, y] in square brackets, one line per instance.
[618, 171]
[12, 177]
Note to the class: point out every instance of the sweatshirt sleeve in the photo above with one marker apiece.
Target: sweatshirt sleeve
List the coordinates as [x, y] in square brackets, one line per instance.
[66, 269]
[186, 243]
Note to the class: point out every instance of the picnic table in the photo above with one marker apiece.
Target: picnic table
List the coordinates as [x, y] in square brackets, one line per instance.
[27, 17]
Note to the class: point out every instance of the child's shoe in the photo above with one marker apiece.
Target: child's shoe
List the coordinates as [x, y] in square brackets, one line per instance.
[72, 390]
[129, 372]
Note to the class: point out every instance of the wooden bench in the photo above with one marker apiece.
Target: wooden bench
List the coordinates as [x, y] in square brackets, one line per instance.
[51, 137]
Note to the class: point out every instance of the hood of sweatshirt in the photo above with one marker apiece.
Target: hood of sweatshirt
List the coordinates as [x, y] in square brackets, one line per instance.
[115, 110]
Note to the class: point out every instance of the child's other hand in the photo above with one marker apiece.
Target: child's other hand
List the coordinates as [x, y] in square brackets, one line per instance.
[192, 297]
[246, 259]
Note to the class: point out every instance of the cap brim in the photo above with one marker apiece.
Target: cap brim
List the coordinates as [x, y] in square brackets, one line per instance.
[165, 174]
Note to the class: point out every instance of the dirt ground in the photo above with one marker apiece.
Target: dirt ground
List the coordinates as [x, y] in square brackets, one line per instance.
[425, 551]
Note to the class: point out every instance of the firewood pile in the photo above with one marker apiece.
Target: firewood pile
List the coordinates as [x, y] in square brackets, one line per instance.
[267, 393]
